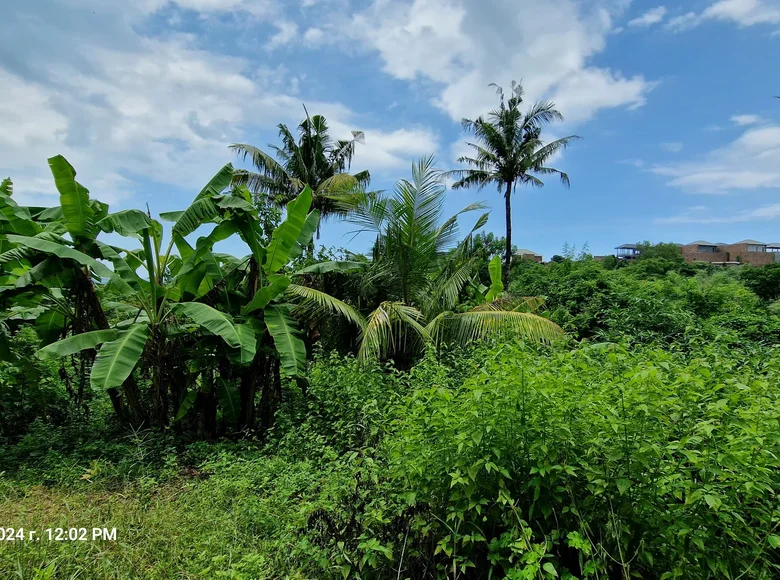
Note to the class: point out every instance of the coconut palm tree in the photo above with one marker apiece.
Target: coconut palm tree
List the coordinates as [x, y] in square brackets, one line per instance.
[509, 152]
[314, 160]
[420, 269]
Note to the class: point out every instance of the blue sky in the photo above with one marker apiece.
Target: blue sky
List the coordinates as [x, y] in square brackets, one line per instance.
[681, 135]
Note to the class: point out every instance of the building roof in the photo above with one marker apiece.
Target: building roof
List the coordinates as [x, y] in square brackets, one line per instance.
[524, 252]
[702, 243]
[626, 247]
[773, 245]
[752, 242]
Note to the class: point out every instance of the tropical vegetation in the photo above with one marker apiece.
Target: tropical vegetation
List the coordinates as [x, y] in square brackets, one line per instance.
[429, 409]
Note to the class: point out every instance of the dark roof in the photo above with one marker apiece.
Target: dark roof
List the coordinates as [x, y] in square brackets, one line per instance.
[702, 243]
[752, 243]
[627, 247]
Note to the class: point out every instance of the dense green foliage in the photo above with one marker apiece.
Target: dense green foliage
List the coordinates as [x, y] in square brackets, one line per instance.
[510, 461]
[406, 414]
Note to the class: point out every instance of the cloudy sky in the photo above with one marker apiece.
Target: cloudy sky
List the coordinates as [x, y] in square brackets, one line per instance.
[681, 135]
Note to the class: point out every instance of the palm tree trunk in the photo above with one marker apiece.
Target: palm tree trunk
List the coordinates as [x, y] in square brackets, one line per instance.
[508, 250]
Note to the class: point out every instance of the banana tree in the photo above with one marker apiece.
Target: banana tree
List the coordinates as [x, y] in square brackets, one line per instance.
[63, 271]
[260, 291]
[161, 288]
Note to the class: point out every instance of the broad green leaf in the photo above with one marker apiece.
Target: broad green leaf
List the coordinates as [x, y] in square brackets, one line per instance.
[49, 326]
[229, 399]
[218, 183]
[306, 235]
[326, 267]
[285, 236]
[201, 211]
[68, 253]
[287, 339]
[203, 208]
[185, 250]
[212, 320]
[265, 294]
[246, 335]
[127, 222]
[48, 268]
[171, 216]
[496, 285]
[74, 199]
[235, 202]
[186, 404]
[77, 343]
[50, 214]
[189, 282]
[117, 359]
[122, 268]
[14, 218]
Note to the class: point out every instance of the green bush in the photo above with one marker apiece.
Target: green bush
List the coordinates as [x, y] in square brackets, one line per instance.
[30, 389]
[595, 462]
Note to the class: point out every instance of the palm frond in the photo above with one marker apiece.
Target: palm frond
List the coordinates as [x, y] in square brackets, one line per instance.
[387, 331]
[315, 303]
[476, 325]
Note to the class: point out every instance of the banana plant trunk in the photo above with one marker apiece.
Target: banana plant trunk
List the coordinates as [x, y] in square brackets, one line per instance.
[251, 379]
[157, 358]
[270, 394]
[130, 410]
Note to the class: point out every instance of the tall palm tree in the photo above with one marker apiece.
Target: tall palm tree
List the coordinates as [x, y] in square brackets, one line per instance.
[314, 160]
[420, 277]
[509, 152]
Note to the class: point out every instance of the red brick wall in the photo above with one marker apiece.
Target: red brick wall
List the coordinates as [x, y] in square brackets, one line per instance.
[692, 254]
[739, 252]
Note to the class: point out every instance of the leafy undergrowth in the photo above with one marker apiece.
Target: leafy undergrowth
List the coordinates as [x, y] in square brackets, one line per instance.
[509, 462]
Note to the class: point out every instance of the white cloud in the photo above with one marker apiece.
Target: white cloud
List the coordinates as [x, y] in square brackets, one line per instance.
[385, 151]
[313, 35]
[288, 31]
[142, 118]
[745, 12]
[765, 213]
[652, 16]
[462, 46]
[683, 22]
[740, 12]
[750, 162]
[672, 147]
[743, 120]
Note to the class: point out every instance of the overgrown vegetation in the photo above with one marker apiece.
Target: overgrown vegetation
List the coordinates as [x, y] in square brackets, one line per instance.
[407, 414]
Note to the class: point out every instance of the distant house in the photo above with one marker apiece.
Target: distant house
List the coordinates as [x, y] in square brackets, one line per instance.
[703, 251]
[522, 254]
[745, 252]
[627, 252]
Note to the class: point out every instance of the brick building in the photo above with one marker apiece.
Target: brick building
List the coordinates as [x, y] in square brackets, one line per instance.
[750, 252]
[522, 254]
[704, 251]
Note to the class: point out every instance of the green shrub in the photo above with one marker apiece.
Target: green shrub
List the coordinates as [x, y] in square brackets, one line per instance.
[598, 461]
